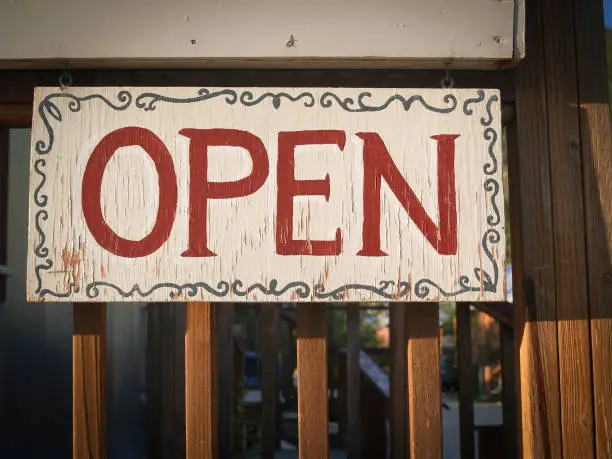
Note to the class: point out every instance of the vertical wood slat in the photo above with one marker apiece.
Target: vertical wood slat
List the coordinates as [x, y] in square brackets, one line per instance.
[353, 383]
[596, 146]
[466, 380]
[89, 414]
[269, 378]
[313, 421]
[569, 226]
[399, 389]
[508, 357]
[533, 252]
[200, 381]
[424, 385]
[225, 356]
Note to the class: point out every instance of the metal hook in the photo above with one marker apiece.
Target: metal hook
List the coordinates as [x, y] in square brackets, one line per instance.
[447, 82]
[65, 79]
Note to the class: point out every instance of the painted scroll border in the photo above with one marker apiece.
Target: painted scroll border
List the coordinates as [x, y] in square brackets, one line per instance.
[147, 101]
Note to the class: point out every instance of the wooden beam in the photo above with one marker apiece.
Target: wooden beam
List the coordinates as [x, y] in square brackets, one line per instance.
[313, 420]
[466, 380]
[424, 385]
[268, 317]
[16, 115]
[596, 147]
[353, 383]
[533, 252]
[399, 389]
[508, 357]
[89, 414]
[569, 229]
[200, 381]
[225, 356]
[17, 86]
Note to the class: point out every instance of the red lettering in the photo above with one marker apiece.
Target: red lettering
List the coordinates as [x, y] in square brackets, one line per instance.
[201, 190]
[379, 165]
[288, 187]
[92, 188]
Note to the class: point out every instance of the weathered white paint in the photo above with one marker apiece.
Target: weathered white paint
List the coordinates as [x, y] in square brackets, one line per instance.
[164, 33]
[241, 231]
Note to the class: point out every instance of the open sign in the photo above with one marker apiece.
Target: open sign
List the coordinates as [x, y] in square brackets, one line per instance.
[242, 194]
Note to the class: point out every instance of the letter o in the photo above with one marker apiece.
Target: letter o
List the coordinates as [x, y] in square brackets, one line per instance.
[92, 188]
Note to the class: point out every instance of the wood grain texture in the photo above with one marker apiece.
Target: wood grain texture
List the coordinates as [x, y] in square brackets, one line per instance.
[201, 382]
[465, 377]
[274, 241]
[89, 413]
[204, 31]
[268, 316]
[353, 383]
[533, 252]
[569, 229]
[313, 433]
[424, 385]
[596, 144]
[400, 434]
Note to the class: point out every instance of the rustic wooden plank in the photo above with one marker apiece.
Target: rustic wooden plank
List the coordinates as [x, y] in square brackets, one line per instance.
[466, 380]
[353, 383]
[533, 254]
[596, 147]
[89, 413]
[268, 317]
[569, 229]
[424, 385]
[225, 356]
[313, 430]
[509, 398]
[17, 86]
[200, 381]
[399, 389]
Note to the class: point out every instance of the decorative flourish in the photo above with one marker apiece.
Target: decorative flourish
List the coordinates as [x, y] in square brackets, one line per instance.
[492, 186]
[302, 289]
[490, 134]
[72, 288]
[40, 199]
[47, 107]
[248, 99]
[47, 265]
[148, 100]
[41, 251]
[487, 121]
[348, 104]
[486, 282]
[340, 292]
[475, 100]
[222, 289]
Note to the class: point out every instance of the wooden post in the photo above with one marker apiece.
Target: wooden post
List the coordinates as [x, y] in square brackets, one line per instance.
[89, 414]
[466, 380]
[424, 386]
[399, 389]
[596, 145]
[200, 381]
[269, 380]
[353, 383]
[313, 418]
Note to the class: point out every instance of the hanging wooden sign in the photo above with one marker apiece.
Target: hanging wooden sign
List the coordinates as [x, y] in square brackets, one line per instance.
[266, 194]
